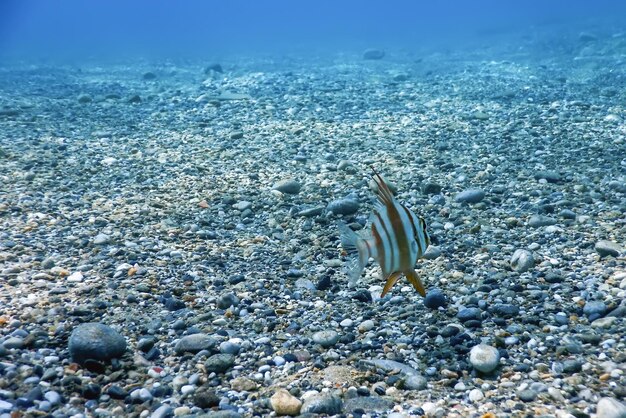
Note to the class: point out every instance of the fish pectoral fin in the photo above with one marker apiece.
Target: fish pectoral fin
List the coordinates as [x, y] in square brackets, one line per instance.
[415, 281]
[391, 280]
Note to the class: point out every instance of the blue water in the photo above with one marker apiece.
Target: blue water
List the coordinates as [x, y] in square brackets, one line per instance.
[110, 28]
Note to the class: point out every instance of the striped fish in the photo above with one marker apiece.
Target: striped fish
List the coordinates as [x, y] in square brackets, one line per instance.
[398, 238]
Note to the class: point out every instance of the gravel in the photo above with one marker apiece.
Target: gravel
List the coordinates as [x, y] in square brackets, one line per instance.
[195, 214]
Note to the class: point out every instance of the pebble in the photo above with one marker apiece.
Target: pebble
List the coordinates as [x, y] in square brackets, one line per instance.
[206, 398]
[432, 252]
[13, 343]
[610, 408]
[468, 314]
[522, 261]
[538, 221]
[101, 239]
[608, 248]
[373, 54]
[227, 300]
[288, 186]
[527, 395]
[326, 338]
[414, 382]
[594, 308]
[366, 325]
[435, 299]
[476, 395]
[95, 341]
[370, 404]
[344, 207]
[322, 404]
[484, 358]
[284, 403]
[470, 196]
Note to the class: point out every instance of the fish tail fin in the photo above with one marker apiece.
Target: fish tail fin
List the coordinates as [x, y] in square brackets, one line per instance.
[415, 281]
[357, 251]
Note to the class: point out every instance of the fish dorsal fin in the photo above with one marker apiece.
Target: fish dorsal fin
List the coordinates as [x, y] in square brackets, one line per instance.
[385, 196]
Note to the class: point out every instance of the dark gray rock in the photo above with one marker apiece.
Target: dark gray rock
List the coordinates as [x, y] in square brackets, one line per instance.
[345, 206]
[537, 221]
[527, 395]
[219, 363]
[608, 248]
[288, 186]
[95, 341]
[468, 314]
[373, 54]
[195, 343]
[595, 308]
[435, 299]
[322, 404]
[227, 300]
[549, 176]
[470, 196]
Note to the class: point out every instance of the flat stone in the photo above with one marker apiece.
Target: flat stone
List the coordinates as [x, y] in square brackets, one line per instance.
[288, 186]
[195, 343]
[391, 365]
[368, 404]
[101, 239]
[414, 382]
[95, 341]
[344, 207]
[13, 343]
[610, 408]
[373, 54]
[322, 404]
[470, 196]
[608, 248]
[537, 221]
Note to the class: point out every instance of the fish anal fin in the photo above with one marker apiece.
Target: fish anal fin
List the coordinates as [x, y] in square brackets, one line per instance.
[415, 281]
[391, 280]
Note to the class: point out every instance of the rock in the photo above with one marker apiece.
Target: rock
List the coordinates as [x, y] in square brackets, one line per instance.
[522, 260]
[484, 358]
[95, 341]
[227, 300]
[84, 98]
[390, 366]
[549, 176]
[468, 314]
[610, 408]
[288, 186]
[236, 135]
[13, 343]
[213, 68]
[479, 115]
[572, 366]
[326, 338]
[101, 239]
[369, 404]
[594, 308]
[241, 384]
[527, 395]
[431, 188]
[149, 75]
[322, 404]
[470, 196]
[284, 403]
[206, 398]
[414, 382]
[606, 322]
[195, 343]
[618, 186]
[435, 299]
[373, 54]
[432, 252]
[219, 363]
[134, 99]
[608, 248]
[537, 221]
[476, 395]
[346, 206]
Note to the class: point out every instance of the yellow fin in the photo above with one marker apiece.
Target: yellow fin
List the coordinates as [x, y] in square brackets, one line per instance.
[391, 280]
[415, 281]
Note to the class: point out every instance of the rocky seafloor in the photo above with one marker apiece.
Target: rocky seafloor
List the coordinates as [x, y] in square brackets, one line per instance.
[169, 241]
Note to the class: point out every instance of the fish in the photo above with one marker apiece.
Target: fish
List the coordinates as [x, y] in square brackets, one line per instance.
[397, 239]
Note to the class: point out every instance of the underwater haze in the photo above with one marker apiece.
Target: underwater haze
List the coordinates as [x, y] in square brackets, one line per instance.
[226, 209]
[197, 27]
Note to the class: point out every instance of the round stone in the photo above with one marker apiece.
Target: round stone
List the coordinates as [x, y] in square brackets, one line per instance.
[414, 382]
[476, 395]
[194, 343]
[435, 299]
[608, 248]
[326, 338]
[322, 404]
[484, 358]
[610, 408]
[219, 363]
[95, 341]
